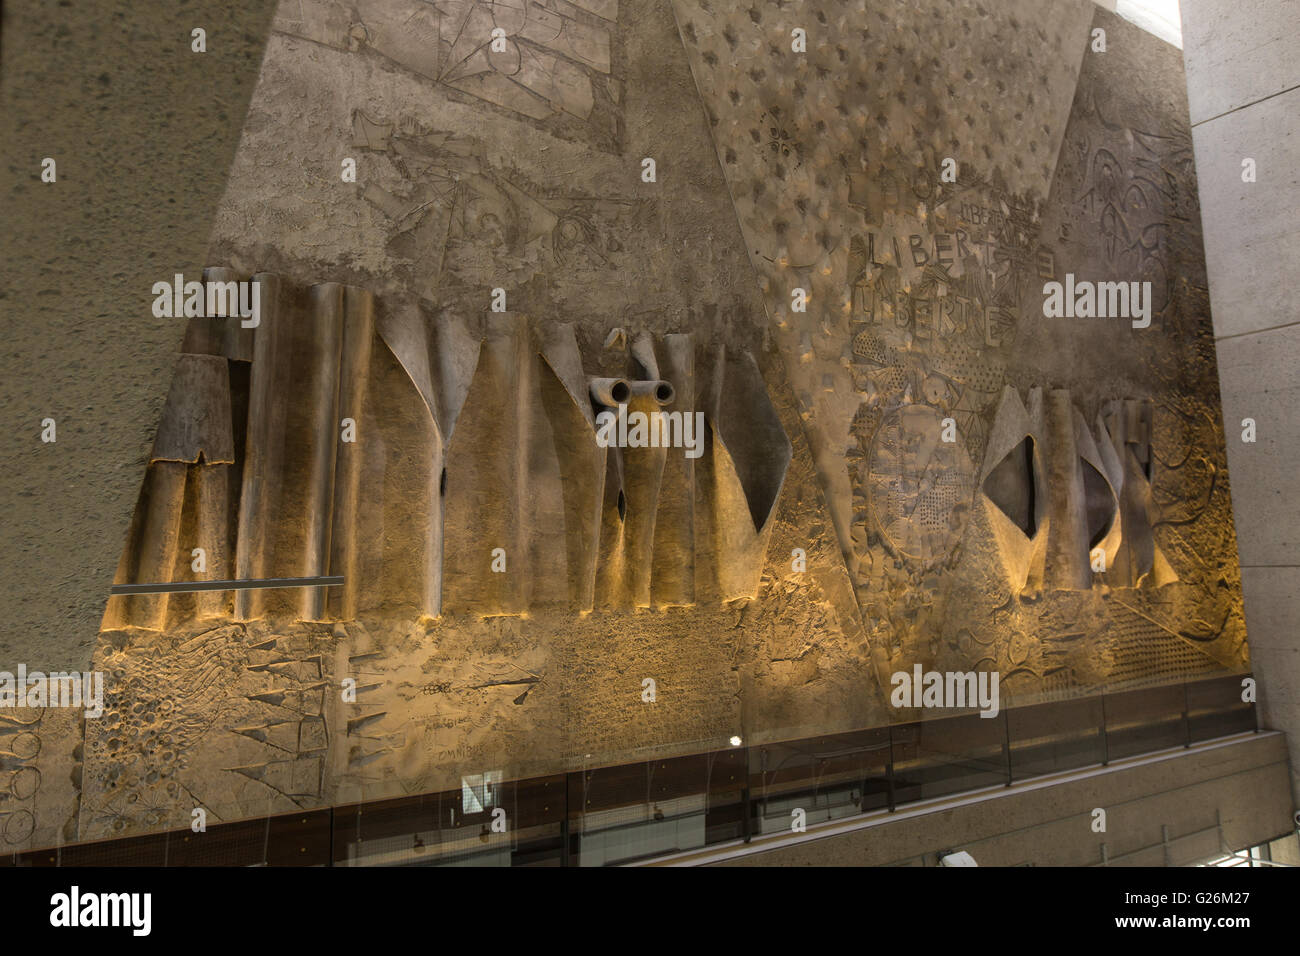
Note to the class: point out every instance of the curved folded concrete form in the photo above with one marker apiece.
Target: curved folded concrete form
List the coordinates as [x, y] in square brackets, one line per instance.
[1067, 507]
[582, 461]
[1125, 430]
[440, 360]
[263, 457]
[750, 456]
[1011, 502]
[490, 472]
[279, 395]
[674, 565]
[190, 464]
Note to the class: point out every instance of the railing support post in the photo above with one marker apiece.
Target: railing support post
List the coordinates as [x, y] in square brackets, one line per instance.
[889, 769]
[1006, 741]
[1105, 734]
[744, 800]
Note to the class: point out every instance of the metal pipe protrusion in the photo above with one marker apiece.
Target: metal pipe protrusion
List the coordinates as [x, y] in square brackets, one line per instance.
[609, 391]
[661, 391]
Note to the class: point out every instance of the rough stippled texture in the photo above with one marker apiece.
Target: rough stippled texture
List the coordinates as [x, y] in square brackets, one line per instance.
[918, 469]
[142, 131]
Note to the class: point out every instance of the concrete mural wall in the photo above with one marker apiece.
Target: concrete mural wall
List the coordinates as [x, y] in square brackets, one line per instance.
[824, 237]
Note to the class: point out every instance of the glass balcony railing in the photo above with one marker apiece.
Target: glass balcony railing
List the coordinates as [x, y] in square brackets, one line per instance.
[609, 815]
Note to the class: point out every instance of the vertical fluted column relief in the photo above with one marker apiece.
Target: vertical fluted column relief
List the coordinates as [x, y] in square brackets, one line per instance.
[674, 539]
[151, 552]
[528, 497]
[236, 338]
[1126, 427]
[546, 413]
[264, 446]
[195, 422]
[160, 540]
[440, 359]
[192, 447]
[213, 496]
[325, 321]
[354, 379]
[487, 483]
[643, 470]
[211, 451]
[223, 331]
[581, 461]
[1067, 543]
[1101, 500]
[458, 354]
[408, 337]
[612, 589]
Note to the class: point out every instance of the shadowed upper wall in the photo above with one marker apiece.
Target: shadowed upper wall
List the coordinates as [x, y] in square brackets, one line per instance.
[142, 130]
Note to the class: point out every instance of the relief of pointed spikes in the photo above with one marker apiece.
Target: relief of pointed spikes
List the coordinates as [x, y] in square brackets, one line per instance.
[282, 735]
[300, 669]
[300, 781]
[357, 726]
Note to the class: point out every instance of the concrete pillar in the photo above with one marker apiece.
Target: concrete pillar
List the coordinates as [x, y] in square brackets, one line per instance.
[1242, 59]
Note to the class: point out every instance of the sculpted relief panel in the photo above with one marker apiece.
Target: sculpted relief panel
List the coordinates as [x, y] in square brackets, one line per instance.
[1016, 479]
[790, 415]
[557, 65]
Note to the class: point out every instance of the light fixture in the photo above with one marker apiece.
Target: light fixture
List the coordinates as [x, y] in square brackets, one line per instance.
[735, 740]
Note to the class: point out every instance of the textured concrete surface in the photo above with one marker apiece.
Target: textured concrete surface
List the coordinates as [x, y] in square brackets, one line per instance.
[1259, 379]
[1238, 52]
[832, 159]
[825, 149]
[1243, 67]
[1273, 605]
[1286, 850]
[527, 694]
[466, 186]
[142, 130]
[239, 718]
[1253, 242]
